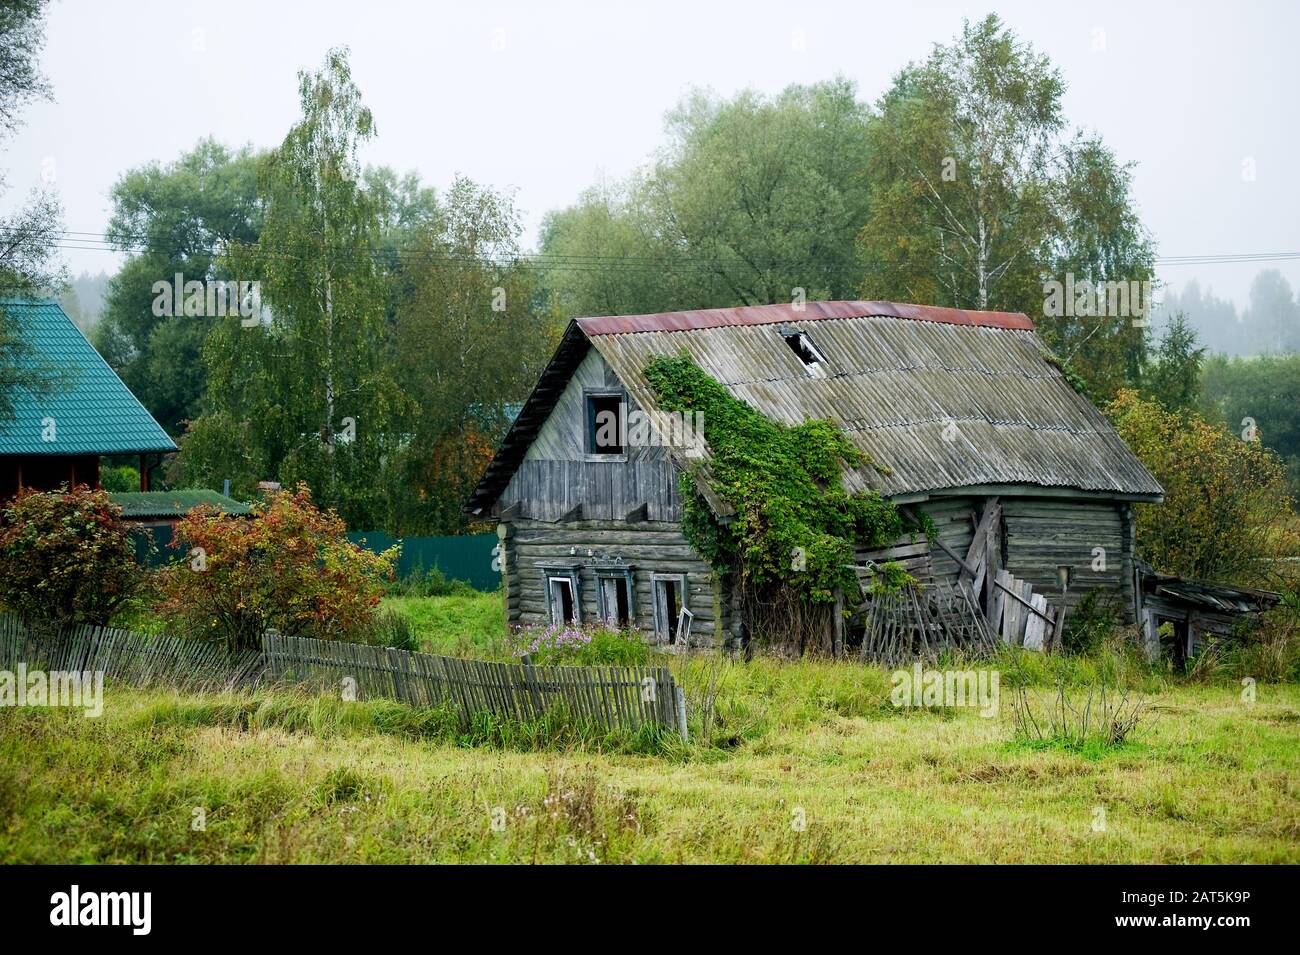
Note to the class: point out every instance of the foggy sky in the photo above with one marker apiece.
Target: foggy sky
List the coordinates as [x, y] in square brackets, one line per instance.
[548, 97]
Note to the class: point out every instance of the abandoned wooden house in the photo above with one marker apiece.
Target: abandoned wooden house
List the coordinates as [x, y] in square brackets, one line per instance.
[1028, 486]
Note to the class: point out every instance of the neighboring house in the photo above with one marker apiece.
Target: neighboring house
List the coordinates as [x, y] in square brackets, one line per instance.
[58, 438]
[157, 509]
[964, 408]
[153, 516]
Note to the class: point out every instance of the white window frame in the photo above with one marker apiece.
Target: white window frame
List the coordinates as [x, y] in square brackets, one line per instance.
[567, 574]
[662, 635]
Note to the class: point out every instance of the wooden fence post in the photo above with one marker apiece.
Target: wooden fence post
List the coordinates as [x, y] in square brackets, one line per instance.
[681, 715]
[395, 667]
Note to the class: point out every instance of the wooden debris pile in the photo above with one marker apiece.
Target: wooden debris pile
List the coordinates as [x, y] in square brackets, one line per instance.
[923, 622]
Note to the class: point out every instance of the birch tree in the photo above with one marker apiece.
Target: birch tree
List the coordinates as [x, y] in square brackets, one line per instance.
[982, 193]
[301, 393]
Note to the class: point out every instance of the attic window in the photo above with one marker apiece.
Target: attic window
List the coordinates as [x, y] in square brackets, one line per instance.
[605, 424]
[802, 345]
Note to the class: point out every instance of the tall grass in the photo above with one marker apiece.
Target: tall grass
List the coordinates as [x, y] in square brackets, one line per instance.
[296, 710]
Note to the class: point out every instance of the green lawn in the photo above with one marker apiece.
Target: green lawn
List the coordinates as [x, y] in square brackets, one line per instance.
[469, 625]
[799, 762]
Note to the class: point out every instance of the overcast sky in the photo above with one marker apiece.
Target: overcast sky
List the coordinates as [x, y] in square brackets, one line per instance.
[547, 97]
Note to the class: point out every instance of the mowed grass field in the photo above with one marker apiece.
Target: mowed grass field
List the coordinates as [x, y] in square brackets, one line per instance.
[803, 762]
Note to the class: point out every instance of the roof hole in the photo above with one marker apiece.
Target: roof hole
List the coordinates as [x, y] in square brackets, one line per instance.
[803, 346]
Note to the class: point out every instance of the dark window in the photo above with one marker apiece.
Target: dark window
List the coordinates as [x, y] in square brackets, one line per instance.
[562, 607]
[803, 346]
[605, 424]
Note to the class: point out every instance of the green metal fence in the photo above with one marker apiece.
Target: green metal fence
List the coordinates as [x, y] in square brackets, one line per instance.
[467, 557]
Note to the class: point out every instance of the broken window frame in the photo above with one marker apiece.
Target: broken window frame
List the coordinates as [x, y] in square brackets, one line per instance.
[562, 572]
[666, 622]
[800, 342]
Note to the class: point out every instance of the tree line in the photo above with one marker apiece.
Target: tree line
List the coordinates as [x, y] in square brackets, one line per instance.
[398, 327]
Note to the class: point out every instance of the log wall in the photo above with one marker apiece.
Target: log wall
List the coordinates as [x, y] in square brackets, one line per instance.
[649, 547]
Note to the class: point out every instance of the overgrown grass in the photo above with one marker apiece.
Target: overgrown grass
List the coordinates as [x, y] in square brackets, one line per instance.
[805, 761]
[826, 772]
[467, 624]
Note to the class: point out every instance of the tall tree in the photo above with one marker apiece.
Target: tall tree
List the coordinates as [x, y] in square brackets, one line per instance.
[1173, 377]
[173, 220]
[752, 200]
[305, 395]
[468, 349]
[982, 194]
[28, 237]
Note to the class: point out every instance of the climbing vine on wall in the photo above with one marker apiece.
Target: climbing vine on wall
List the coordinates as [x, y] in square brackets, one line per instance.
[795, 525]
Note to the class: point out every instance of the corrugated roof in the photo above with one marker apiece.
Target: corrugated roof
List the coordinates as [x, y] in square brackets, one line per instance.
[92, 410]
[140, 504]
[943, 398]
[802, 312]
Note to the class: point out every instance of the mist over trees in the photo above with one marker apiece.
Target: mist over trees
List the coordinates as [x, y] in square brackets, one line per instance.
[83, 299]
[1269, 325]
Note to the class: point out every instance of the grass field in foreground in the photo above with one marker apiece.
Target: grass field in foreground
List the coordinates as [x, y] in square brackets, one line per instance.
[810, 764]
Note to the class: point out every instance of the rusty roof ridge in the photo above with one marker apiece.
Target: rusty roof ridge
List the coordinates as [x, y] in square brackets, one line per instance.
[775, 313]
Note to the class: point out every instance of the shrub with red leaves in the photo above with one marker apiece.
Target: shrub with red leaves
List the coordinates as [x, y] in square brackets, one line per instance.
[66, 557]
[289, 567]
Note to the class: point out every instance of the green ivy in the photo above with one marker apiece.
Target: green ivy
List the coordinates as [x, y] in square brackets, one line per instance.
[795, 524]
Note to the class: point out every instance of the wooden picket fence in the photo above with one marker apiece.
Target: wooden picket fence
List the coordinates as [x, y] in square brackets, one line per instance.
[139, 659]
[614, 697]
[625, 698]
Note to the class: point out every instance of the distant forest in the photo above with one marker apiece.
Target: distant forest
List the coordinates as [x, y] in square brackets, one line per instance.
[1269, 325]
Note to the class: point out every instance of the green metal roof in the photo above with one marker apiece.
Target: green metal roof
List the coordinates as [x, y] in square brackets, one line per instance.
[93, 411]
[140, 504]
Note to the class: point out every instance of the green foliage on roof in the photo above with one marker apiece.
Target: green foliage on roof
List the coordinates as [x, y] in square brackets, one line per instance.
[87, 410]
[173, 503]
[796, 525]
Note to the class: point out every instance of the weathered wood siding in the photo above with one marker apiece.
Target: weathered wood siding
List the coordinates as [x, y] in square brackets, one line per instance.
[557, 474]
[1042, 534]
[1037, 536]
[650, 547]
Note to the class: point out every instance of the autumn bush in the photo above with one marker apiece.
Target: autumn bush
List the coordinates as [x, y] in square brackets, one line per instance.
[1227, 514]
[66, 557]
[290, 566]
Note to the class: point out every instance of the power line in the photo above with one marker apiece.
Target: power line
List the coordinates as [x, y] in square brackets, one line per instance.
[82, 241]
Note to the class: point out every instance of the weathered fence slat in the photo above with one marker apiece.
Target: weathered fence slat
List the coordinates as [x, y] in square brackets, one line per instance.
[613, 697]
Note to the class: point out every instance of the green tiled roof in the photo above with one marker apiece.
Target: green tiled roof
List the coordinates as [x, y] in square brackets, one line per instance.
[172, 503]
[93, 411]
